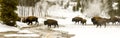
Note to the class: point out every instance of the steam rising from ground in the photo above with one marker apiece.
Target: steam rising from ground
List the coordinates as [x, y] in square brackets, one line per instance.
[97, 8]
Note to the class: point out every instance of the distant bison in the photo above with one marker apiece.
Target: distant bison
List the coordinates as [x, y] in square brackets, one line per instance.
[30, 19]
[99, 21]
[76, 19]
[50, 22]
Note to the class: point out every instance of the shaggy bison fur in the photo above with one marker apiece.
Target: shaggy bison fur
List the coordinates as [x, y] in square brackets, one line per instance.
[50, 22]
[30, 19]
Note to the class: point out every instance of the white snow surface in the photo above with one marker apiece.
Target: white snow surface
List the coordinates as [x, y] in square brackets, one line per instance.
[22, 35]
[21, 25]
[5, 28]
[91, 32]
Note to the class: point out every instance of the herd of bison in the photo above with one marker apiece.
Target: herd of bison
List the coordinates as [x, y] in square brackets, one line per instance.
[96, 20]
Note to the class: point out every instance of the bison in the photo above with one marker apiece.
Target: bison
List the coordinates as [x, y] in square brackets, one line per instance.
[99, 21]
[76, 19]
[50, 22]
[30, 19]
[94, 19]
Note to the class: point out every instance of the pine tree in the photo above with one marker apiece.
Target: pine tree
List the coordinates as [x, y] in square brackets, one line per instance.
[8, 15]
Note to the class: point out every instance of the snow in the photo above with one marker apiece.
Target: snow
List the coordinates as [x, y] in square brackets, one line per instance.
[22, 35]
[81, 31]
[25, 31]
[21, 25]
[5, 28]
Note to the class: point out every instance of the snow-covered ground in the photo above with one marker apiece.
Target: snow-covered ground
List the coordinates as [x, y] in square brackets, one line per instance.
[4, 28]
[66, 24]
[90, 31]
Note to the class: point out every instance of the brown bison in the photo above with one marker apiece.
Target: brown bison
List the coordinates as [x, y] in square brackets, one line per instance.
[99, 21]
[50, 22]
[76, 19]
[30, 19]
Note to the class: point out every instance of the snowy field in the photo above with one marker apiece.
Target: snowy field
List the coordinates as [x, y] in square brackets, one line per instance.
[77, 30]
[89, 30]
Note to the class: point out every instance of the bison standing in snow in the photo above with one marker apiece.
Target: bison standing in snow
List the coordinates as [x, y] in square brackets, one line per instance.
[99, 21]
[94, 19]
[79, 19]
[50, 22]
[76, 19]
[30, 19]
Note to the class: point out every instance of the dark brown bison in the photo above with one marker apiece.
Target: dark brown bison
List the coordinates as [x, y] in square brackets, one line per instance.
[50, 22]
[76, 19]
[99, 21]
[83, 21]
[30, 19]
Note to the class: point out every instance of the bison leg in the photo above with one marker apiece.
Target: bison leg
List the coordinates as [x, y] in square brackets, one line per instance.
[36, 22]
[75, 22]
[98, 25]
[49, 26]
[30, 23]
